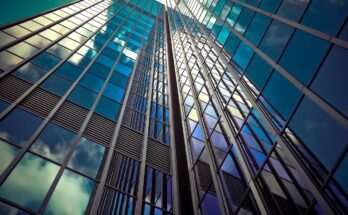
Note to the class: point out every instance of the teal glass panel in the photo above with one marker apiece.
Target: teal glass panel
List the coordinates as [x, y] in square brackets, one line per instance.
[106, 61]
[319, 132]
[243, 20]
[326, 16]
[54, 142]
[276, 39]
[257, 28]
[292, 9]
[270, 6]
[30, 72]
[82, 96]
[281, 94]
[79, 60]
[7, 154]
[18, 126]
[69, 71]
[92, 82]
[331, 81]
[114, 92]
[303, 55]
[223, 35]
[234, 13]
[341, 174]
[7, 209]
[258, 71]
[71, 195]
[119, 79]
[46, 60]
[99, 70]
[123, 69]
[108, 108]
[231, 43]
[29, 182]
[56, 84]
[87, 157]
[243, 55]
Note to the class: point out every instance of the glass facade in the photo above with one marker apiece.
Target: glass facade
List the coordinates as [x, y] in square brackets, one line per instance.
[188, 107]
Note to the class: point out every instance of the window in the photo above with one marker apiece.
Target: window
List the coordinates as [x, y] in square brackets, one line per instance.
[257, 28]
[54, 142]
[243, 21]
[79, 60]
[105, 61]
[7, 154]
[119, 79]
[87, 157]
[270, 6]
[231, 43]
[243, 55]
[303, 55]
[71, 195]
[292, 9]
[83, 97]
[99, 70]
[23, 49]
[18, 126]
[38, 41]
[46, 60]
[275, 39]
[69, 71]
[17, 31]
[319, 132]
[281, 94]
[30, 72]
[59, 51]
[331, 81]
[258, 71]
[56, 84]
[326, 16]
[29, 182]
[222, 37]
[123, 69]
[5, 38]
[8, 60]
[114, 92]
[341, 174]
[92, 82]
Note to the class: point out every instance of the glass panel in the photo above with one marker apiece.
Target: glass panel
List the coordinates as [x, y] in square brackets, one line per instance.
[326, 16]
[210, 205]
[114, 92]
[23, 49]
[275, 39]
[29, 182]
[319, 132]
[56, 84]
[292, 9]
[281, 94]
[257, 28]
[71, 195]
[341, 174]
[83, 97]
[258, 71]
[54, 142]
[19, 120]
[92, 82]
[30, 72]
[331, 81]
[119, 79]
[46, 60]
[107, 108]
[7, 154]
[303, 55]
[69, 71]
[87, 157]
[243, 55]
[8, 60]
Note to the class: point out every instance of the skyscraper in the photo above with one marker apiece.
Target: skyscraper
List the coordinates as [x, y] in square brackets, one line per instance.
[192, 107]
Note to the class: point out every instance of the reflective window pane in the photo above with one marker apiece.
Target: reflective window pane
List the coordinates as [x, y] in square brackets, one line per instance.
[87, 157]
[30, 72]
[71, 195]
[53, 142]
[7, 154]
[18, 126]
[29, 182]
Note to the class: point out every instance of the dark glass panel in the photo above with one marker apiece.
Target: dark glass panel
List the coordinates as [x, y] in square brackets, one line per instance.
[7, 154]
[69, 71]
[30, 72]
[87, 157]
[18, 126]
[46, 60]
[319, 132]
[258, 71]
[331, 81]
[303, 55]
[82, 96]
[54, 142]
[56, 84]
[108, 108]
